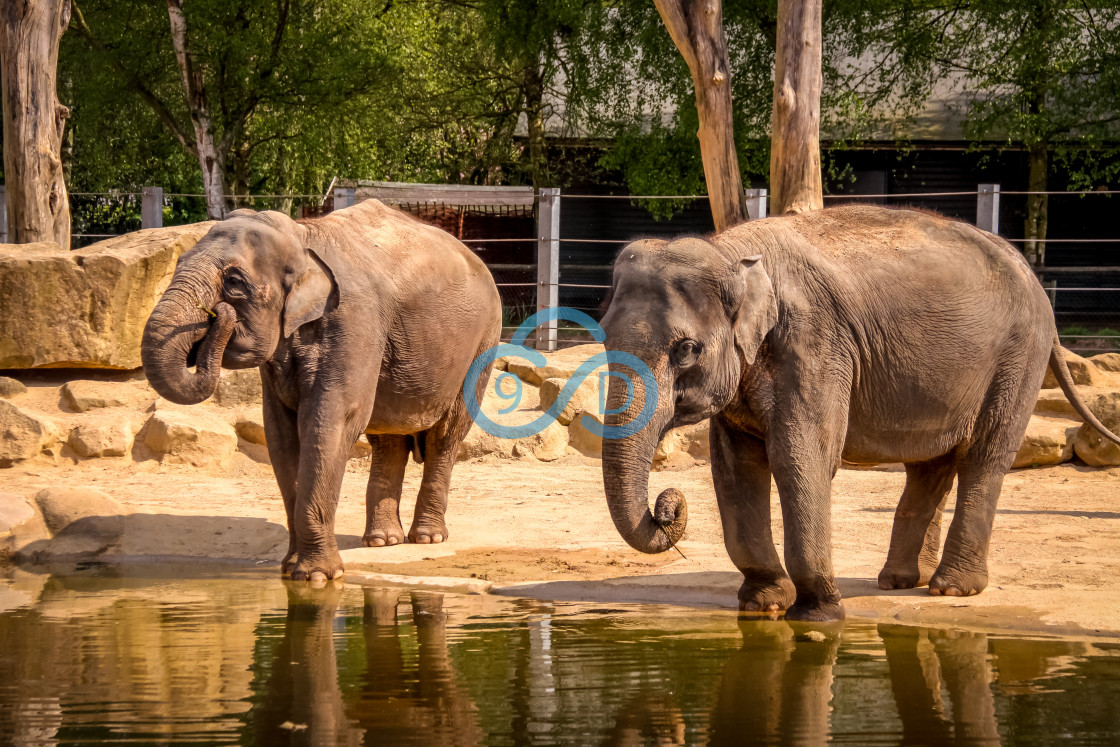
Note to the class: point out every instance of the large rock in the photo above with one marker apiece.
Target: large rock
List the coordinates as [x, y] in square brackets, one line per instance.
[1093, 448]
[1107, 362]
[585, 397]
[83, 522]
[548, 445]
[62, 506]
[190, 437]
[1083, 371]
[239, 388]
[560, 364]
[82, 395]
[1048, 440]
[583, 440]
[479, 443]
[23, 433]
[86, 308]
[20, 523]
[108, 439]
[10, 387]
[250, 426]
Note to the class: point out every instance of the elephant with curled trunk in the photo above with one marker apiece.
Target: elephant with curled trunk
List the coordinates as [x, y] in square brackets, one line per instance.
[862, 334]
[362, 321]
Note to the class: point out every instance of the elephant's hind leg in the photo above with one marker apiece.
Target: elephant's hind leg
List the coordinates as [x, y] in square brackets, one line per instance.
[983, 463]
[742, 481]
[441, 449]
[383, 493]
[916, 537]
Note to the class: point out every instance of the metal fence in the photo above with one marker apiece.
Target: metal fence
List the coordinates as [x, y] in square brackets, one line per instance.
[570, 241]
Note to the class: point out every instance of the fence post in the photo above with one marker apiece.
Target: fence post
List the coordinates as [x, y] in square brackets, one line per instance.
[756, 203]
[987, 207]
[3, 215]
[343, 197]
[151, 207]
[548, 262]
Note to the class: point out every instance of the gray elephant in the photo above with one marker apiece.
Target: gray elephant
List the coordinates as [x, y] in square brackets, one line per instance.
[858, 333]
[362, 321]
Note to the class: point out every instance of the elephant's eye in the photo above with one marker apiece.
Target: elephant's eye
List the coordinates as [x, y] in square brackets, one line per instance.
[235, 286]
[685, 353]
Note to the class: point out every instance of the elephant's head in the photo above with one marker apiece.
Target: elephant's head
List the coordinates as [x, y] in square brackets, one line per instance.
[251, 280]
[695, 312]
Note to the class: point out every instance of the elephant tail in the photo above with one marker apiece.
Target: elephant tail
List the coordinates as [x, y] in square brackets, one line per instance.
[1065, 381]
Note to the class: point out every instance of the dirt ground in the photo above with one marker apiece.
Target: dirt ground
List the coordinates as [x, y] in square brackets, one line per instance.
[542, 529]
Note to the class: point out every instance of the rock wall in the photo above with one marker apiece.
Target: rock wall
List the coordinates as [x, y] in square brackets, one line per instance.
[85, 308]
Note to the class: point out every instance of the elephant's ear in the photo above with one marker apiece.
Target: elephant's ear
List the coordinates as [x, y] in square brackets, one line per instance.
[309, 295]
[241, 213]
[757, 311]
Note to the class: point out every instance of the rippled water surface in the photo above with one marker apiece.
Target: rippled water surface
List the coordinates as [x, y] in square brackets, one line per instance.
[252, 660]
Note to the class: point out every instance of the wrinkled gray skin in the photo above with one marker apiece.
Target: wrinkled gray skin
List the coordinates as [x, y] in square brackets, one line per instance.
[861, 334]
[363, 321]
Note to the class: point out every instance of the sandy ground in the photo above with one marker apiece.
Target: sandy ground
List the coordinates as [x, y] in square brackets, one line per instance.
[542, 529]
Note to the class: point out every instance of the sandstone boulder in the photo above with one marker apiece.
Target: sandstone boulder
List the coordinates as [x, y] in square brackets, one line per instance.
[479, 443]
[237, 388]
[1093, 448]
[1107, 362]
[20, 523]
[83, 396]
[10, 387]
[250, 426]
[547, 446]
[62, 506]
[585, 397]
[190, 437]
[23, 433]
[694, 440]
[561, 364]
[109, 439]
[1048, 440]
[85, 308]
[583, 440]
[84, 523]
[1083, 371]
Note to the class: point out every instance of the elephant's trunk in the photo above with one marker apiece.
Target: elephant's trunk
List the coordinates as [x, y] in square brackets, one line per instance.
[626, 466]
[177, 327]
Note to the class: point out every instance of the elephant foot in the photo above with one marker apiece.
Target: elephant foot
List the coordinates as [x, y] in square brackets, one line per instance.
[427, 535]
[898, 577]
[816, 611]
[383, 537]
[767, 597]
[951, 582]
[317, 571]
[288, 563]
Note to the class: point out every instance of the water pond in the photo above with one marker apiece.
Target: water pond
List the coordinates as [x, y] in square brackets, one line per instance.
[247, 659]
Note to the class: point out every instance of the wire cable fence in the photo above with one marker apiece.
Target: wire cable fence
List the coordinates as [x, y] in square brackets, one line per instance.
[1080, 270]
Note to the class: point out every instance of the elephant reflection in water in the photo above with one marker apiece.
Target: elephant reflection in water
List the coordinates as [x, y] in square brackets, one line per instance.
[399, 698]
[777, 687]
[647, 719]
[920, 659]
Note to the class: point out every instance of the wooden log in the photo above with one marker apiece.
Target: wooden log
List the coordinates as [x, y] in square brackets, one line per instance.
[34, 120]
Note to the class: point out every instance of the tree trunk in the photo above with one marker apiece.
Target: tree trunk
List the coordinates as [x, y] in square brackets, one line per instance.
[696, 27]
[534, 120]
[194, 90]
[1037, 205]
[34, 120]
[795, 147]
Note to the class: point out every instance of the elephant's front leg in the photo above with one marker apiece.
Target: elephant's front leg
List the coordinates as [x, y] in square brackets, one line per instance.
[742, 481]
[327, 433]
[804, 460]
[281, 431]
